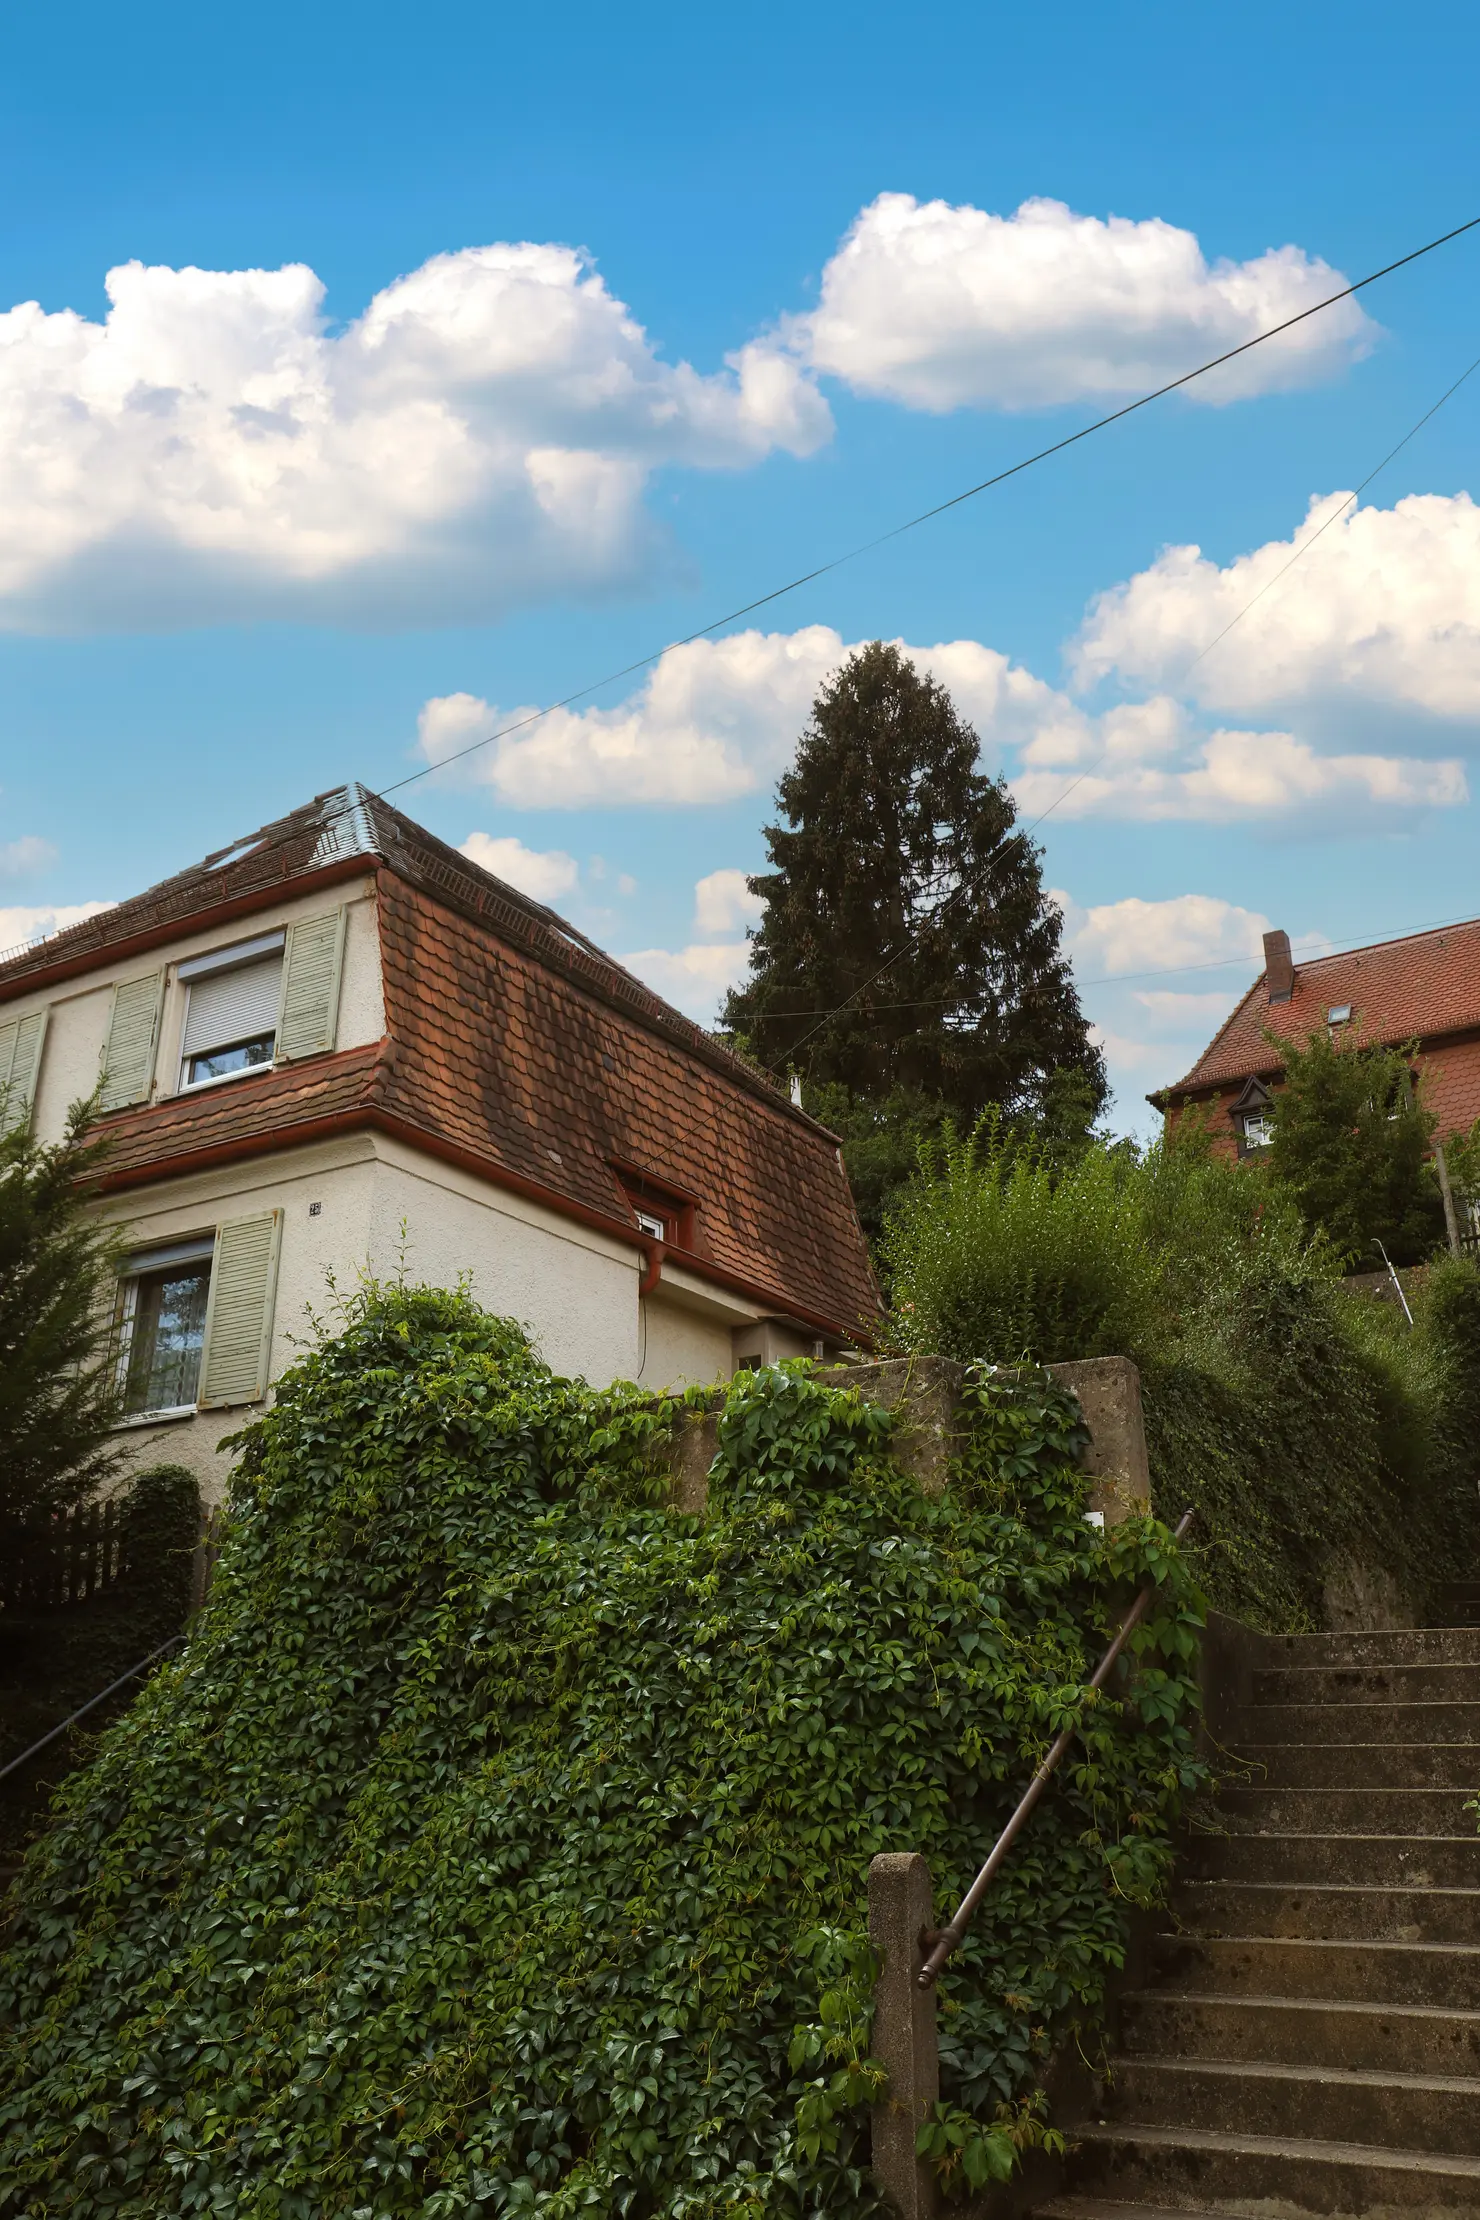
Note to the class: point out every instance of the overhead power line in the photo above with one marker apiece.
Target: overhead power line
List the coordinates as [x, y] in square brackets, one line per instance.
[979, 886]
[939, 508]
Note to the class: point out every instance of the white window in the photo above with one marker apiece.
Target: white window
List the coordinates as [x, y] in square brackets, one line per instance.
[232, 999]
[1258, 1128]
[193, 1322]
[649, 1222]
[161, 1327]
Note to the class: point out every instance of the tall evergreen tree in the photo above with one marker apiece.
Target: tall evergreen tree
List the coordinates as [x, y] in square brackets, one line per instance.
[57, 1394]
[899, 858]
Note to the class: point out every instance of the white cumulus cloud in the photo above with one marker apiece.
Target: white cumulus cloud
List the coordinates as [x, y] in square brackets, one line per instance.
[945, 307]
[1383, 609]
[1227, 776]
[723, 900]
[1134, 935]
[22, 924]
[482, 434]
[720, 718]
[542, 873]
[717, 719]
[29, 853]
[694, 979]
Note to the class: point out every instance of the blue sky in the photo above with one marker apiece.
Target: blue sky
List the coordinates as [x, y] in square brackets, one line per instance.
[262, 533]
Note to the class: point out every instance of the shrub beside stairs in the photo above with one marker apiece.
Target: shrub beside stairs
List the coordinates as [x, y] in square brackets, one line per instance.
[1309, 2037]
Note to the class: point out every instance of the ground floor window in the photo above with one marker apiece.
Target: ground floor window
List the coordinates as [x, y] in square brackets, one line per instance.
[161, 1326]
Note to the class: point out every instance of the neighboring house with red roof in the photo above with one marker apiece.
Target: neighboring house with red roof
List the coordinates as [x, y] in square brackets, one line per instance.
[340, 1028]
[1425, 988]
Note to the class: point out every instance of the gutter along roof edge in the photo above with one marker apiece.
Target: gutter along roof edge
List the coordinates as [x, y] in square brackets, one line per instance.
[269, 896]
[370, 1115]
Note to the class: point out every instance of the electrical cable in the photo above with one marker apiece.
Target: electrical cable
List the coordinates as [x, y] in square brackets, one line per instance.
[940, 508]
[925, 516]
[1350, 500]
[966, 886]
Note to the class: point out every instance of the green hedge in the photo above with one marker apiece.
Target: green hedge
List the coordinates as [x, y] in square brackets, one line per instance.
[499, 1844]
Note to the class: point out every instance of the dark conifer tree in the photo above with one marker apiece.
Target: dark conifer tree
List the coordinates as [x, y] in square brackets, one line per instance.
[898, 852]
[58, 1397]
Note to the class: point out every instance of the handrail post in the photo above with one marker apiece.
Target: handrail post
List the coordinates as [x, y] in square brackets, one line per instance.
[904, 2037]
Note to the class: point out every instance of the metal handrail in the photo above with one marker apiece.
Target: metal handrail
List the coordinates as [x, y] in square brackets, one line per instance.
[941, 1941]
[91, 1705]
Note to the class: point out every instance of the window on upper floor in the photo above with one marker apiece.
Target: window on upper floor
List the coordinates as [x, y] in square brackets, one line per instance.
[662, 1212]
[1253, 1117]
[232, 999]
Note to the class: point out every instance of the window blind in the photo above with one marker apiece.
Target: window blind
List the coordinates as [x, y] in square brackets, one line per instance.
[20, 1061]
[232, 1006]
[133, 1028]
[238, 1334]
[312, 964]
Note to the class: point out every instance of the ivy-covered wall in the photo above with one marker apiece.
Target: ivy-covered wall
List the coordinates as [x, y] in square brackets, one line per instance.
[499, 1844]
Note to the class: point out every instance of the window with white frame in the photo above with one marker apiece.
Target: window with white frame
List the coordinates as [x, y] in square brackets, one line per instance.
[161, 1327]
[232, 999]
[1258, 1128]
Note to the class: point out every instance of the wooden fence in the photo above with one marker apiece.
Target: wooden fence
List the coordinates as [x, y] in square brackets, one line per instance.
[63, 1559]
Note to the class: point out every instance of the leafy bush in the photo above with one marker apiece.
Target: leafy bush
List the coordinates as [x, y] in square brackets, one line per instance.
[1313, 1432]
[1351, 1143]
[499, 1844]
[999, 1252]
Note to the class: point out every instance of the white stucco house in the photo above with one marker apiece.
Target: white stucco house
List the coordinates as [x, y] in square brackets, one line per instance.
[339, 1043]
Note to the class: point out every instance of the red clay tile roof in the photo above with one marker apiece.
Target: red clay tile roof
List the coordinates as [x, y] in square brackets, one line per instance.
[514, 1042]
[274, 1107]
[505, 1058]
[1399, 990]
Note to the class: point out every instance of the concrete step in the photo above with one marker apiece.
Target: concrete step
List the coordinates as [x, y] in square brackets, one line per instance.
[1446, 1974]
[1345, 1811]
[1299, 2031]
[1355, 1765]
[1330, 1911]
[1370, 1861]
[1440, 1680]
[1110, 2208]
[1355, 1722]
[1187, 2169]
[1399, 2111]
[1418, 1645]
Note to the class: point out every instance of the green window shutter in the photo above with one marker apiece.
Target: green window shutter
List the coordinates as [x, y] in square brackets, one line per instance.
[20, 1063]
[133, 1035]
[238, 1336]
[312, 961]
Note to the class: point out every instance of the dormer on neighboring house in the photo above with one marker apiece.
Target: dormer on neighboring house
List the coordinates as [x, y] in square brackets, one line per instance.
[339, 1044]
[1425, 989]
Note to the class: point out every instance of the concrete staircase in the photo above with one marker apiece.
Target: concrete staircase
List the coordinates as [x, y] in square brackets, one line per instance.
[1309, 2038]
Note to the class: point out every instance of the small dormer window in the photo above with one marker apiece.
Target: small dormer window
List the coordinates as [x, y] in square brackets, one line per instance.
[1253, 1118]
[1339, 1014]
[660, 1212]
[232, 997]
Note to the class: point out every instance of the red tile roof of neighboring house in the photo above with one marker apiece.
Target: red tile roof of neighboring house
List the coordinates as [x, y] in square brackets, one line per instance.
[1399, 990]
[513, 1044]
